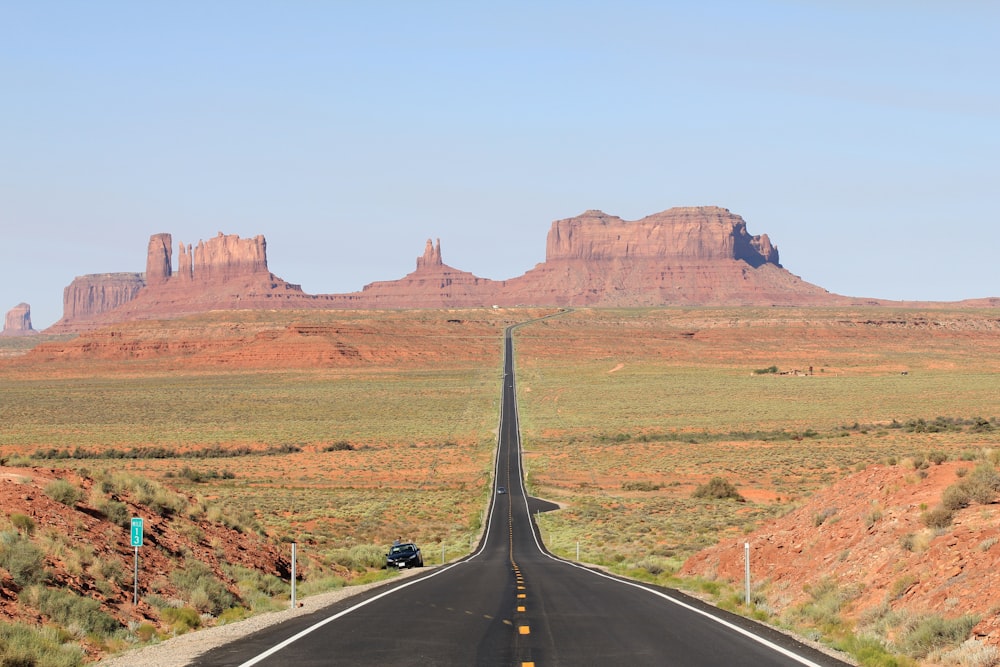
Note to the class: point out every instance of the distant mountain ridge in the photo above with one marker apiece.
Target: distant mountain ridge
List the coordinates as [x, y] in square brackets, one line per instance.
[682, 256]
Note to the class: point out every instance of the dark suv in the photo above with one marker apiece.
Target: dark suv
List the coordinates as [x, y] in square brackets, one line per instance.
[403, 555]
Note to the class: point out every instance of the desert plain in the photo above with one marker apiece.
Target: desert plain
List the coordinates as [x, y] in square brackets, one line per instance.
[342, 430]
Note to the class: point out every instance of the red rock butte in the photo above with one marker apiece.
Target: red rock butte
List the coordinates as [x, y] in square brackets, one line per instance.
[682, 256]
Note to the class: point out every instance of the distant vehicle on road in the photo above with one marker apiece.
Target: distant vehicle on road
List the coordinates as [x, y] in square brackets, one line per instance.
[405, 554]
[501, 490]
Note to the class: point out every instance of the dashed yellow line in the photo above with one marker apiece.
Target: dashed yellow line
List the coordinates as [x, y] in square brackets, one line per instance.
[524, 630]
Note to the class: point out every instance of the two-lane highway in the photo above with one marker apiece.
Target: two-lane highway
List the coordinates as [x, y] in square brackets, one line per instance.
[511, 603]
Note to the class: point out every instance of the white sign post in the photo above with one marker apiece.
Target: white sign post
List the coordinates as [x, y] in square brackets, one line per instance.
[746, 563]
[136, 543]
[293, 574]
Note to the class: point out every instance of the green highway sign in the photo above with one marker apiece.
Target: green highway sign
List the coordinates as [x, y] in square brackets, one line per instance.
[136, 532]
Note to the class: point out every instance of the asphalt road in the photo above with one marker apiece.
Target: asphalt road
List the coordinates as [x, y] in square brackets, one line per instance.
[511, 603]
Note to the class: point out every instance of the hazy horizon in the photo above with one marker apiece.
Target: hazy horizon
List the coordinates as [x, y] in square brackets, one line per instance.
[861, 139]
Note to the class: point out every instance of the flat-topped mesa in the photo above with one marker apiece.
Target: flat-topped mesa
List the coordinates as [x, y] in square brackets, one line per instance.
[431, 256]
[97, 293]
[688, 233]
[17, 322]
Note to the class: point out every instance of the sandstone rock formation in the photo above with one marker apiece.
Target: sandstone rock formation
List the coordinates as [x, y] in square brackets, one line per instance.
[91, 295]
[693, 233]
[158, 264]
[18, 321]
[225, 272]
[682, 256]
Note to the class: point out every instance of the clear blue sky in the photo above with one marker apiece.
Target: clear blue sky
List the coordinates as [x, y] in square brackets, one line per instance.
[863, 137]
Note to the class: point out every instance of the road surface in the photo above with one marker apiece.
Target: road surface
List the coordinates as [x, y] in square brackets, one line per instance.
[512, 604]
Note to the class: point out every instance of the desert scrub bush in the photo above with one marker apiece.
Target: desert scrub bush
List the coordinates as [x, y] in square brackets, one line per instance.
[110, 569]
[24, 645]
[819, 518]
[145, 632]
[641, 486]
[190, 531]
[822, 611]
[873, 516]
[982, 484]
[871, 651]
[181, 619]
[63, 492]
[76, 614]
[339, 446]
[115, 512]
[972, 653]
[360, 557]
[718, 488]
[143, 491]
[938, 517]
[987, 544]
[78, 558]
[240, 520]
[927, 633]
[202, 589]
[199, 476]
[937, 457]
[23, 523]
[21, 558]
[955, 497]
[901, 585]
[320, 584]
[254, 580]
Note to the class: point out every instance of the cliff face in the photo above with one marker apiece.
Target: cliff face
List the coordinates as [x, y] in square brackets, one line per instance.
[693, 234]
[98, 293]
[224, 272]
[158, 265]
[18, 321]
[682, 256]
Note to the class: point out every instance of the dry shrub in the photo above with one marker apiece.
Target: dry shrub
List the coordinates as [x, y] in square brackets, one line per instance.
[718, 488]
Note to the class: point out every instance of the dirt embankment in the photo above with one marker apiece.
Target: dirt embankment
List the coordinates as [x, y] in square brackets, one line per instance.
[867, 534]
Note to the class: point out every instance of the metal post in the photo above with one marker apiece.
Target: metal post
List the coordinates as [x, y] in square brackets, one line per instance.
[293, 575]
[746, 563]
[135, 579]
[442, 554]
[577, 551]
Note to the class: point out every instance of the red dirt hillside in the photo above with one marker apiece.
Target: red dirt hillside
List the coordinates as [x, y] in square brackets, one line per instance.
[86, 554]
[867, 535]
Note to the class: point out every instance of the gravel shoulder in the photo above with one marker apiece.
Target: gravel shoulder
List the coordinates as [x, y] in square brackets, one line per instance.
[182, 650]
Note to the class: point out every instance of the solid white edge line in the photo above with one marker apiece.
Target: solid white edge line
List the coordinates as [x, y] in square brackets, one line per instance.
[757, 638]
[743, 631]
[316, 626]
[486, 535]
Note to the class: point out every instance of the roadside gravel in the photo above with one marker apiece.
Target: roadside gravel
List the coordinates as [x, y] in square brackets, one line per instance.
[180, 651]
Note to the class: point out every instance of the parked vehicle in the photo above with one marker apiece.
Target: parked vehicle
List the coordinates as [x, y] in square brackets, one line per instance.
[404, 554]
